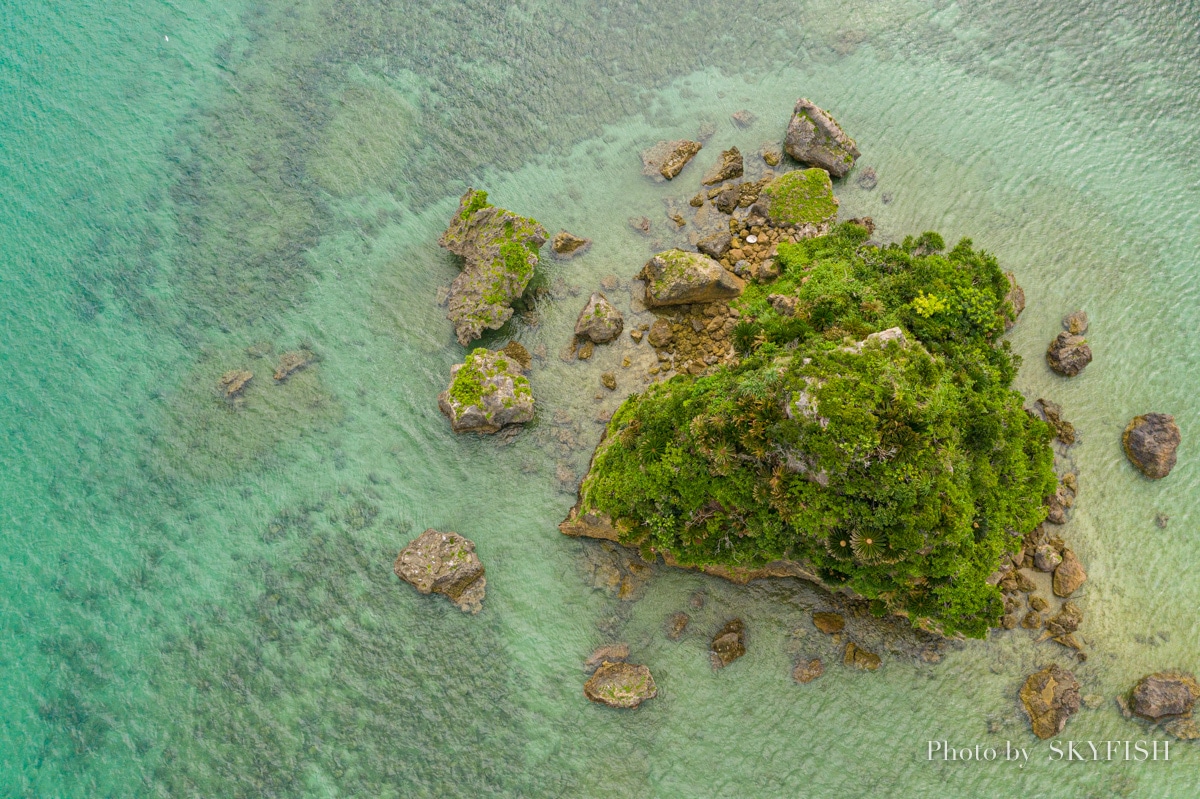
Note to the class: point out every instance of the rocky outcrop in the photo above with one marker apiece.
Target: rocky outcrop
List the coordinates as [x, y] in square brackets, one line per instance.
[860, 658]
[487, 392]
[568, 245]
[500, 253]
[1050, 697]
[234, 382]
[599, 322]
[1068, 575]
[676, 277]
[1165, 694]
[730, 165]
[444, 563]
[829, 623]
[621, 685]
[729, 643]
[1068, 354]
[668, 158]
[292, 362]
[800, 197]
[1150, 442]
[815, 138]
[660, 334]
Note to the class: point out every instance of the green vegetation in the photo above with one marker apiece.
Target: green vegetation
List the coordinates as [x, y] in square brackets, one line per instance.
[804, 196]
[470, 384]
[477, 202]
[901, 466]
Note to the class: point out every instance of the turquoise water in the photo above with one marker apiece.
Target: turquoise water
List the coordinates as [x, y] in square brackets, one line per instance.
[198, 601]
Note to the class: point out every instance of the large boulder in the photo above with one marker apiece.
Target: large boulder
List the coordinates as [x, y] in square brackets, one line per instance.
[500, 253]
[730, 165]
[1164, 694]
[599, 322]
[444, 563]
[1068, 354]
[1150, 442]
[676, 277]
[801, 197]
[668, 158]
[1050, 697]
[622, 685]
[1068, 575]
[814, 137]
[486, 393]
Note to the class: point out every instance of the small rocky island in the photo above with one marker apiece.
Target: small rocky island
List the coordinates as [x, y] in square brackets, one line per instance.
[444, 563]
[487, 392]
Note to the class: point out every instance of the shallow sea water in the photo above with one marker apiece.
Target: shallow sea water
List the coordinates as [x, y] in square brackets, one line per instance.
[198, 601]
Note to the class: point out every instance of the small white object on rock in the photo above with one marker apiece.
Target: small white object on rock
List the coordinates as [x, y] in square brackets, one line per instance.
[752, 239]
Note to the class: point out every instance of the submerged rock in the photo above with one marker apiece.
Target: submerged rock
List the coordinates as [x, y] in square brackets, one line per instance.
[444, 563]
[516, 350]
[1067, 621]
[234, 382]
[676, 277]
[1015, 297]
[807, 671]
[486, 393]
[1068, 354]
[568, 245]
[599, 322]
[668, 158]
[1150, 442]
[814, 137]
[677, 623]
[743, 118]
[1050, 697]
[730, 165]
[801, 197]
[729, 643]
[621, 685]
[860, 658]
[611, 653]
[1165, 694]
[829, 623]
[292, 362]
[1076, 323]
[500, 253]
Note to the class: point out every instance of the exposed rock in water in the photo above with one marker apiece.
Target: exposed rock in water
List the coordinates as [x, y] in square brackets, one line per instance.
[715, 245]
[500, 253]
[622, 685]
[517, 351]
[1150, 442]
[1068, 575]
[568, 245]
[233, 382]
[829, 623]
[1058, 503]
[743, 118]
[1067, 621]
[609, 381]
[1165, 694]
[612, 653]
[771, 154]
[676, 624]
[1046, 558]
[815, 138]
[1051, 412]
[599, 322]
[1032, 620]
[292, 362]
[485, 394]
[1050, 697]
[660, 334]
[676, 277]
[806, 672]
[801, 197]
[860, 658]
[1015, 297]
[1076, 323]
[729, 643]
[728, 166]
[668, 158]
[444, 563]
[1068, 354]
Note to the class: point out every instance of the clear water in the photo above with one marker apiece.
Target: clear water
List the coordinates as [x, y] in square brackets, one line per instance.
[199, 602]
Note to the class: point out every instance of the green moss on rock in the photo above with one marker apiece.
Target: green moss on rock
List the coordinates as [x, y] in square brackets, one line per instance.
[802, 197]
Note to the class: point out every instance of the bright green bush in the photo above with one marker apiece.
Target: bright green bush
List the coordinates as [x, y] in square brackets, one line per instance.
[903, 470]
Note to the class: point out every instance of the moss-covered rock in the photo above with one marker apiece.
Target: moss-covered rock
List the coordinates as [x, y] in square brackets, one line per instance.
[620, 685]
[486, 393]
[676, 277]
[814, 137]
[801, 197]
[500, 253]
[599, 322]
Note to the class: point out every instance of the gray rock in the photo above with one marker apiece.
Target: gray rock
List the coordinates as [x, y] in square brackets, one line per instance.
[815, 138]
[444, 563]
[1150, 442]
[1046, 558]
[728, 166]
[1165, 694]
[715, 245]
[676, 277]
[1068, 354]
[599, 322]
[486, 393]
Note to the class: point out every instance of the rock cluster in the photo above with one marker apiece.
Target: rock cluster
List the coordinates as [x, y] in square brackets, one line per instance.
[487, 392]
[1051, 413]
[1015, 298]
[1050, 697]
[444, 563]
[1150, 442]
[814, 137]
[500, 253]
[620, 685]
